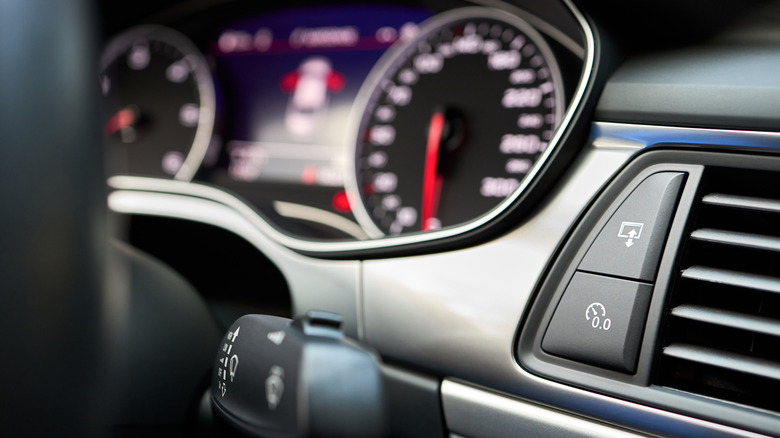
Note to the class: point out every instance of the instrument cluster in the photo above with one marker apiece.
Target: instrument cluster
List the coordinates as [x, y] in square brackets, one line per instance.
[343, 122]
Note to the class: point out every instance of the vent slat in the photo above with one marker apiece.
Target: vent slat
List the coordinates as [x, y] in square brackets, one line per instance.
[762, 283]
[722, 359]
[734, 238]
[744, 202]
[726, 318]
[721, 334]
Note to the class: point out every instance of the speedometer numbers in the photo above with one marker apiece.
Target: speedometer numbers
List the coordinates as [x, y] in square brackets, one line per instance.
[454, 121]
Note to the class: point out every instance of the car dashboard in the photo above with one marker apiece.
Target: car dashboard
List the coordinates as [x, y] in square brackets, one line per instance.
[557, 218]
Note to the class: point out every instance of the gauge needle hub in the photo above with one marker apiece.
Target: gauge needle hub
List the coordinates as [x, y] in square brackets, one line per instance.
[124, 118]
[432, 179]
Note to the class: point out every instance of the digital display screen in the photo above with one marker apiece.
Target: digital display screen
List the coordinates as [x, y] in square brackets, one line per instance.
[290, 80]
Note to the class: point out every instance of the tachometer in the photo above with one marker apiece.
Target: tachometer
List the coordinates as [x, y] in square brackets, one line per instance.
[159, 103]
[453, 121]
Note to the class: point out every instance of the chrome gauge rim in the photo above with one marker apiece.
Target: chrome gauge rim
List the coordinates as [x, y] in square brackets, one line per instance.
[199, 70]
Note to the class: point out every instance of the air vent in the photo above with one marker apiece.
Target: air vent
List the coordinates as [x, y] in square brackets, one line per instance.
[721, 336]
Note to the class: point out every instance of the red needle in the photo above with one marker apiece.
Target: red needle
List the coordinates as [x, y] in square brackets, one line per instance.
[122, 119]
[431, 179]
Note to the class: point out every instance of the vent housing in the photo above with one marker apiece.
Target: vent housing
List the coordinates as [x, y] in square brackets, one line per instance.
[721, 335]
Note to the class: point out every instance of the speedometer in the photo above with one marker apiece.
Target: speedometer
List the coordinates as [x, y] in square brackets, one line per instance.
[453, 121]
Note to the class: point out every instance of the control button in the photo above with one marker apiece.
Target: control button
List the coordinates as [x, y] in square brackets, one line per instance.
[599, 321]
[630, 244]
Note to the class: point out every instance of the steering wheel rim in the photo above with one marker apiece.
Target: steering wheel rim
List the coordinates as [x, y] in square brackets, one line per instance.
[52, 265]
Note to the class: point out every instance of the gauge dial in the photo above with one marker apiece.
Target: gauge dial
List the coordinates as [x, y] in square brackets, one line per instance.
[453, 122]
[159, 103]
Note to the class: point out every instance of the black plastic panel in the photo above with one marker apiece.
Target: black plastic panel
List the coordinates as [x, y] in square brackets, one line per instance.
[413, 404]
[734, 86]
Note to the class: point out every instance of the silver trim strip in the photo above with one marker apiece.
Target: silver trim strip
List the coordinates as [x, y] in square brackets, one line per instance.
[466, 408]
[320, 216]
[610, 135]
[177, 189]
